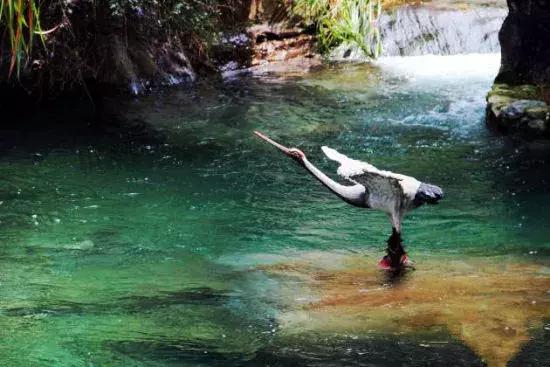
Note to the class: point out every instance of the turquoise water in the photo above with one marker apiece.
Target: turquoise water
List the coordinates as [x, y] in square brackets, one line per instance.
[141, 237]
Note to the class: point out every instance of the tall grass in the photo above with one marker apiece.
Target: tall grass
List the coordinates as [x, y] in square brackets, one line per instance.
[344, 21]
[19, 23]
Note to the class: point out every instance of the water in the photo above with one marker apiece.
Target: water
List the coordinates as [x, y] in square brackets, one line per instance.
[171, 236]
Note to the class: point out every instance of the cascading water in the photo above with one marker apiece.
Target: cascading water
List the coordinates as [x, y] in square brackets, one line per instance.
[448, 29]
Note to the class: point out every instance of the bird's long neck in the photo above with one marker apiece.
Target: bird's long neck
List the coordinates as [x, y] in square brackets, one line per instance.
[354, 195]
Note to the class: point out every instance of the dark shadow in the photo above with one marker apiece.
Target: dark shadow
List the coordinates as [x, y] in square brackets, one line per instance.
[72, 126]
[379, 351]
[373, 351]
[397, 276]
[536, 353]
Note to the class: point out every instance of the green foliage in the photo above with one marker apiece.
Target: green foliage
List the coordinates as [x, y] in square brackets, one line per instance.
[182, 16]
[344, 21]
[196, 22]
[19, 22]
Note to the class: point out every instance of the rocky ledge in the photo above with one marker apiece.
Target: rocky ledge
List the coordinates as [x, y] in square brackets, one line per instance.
[268, 48]
[520, 98]
[520, 108]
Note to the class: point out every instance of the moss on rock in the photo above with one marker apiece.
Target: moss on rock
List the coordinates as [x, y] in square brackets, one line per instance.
[518, 109]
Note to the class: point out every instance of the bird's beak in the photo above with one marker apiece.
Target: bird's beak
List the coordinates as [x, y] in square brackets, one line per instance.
[282, 148]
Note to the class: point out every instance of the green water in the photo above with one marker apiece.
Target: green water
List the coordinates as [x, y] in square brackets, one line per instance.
[141, 245]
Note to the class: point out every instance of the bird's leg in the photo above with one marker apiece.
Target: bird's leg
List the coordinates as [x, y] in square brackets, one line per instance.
[396, 252]
[396, 256]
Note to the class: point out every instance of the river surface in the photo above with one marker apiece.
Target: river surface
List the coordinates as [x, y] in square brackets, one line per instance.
[170, 235]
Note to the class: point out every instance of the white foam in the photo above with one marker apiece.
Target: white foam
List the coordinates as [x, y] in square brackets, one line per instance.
[451, 67]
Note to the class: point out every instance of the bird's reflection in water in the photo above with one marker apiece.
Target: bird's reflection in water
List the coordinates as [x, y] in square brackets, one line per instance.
[396, 277]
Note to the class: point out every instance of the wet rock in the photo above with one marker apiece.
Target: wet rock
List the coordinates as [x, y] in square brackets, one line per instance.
[518, 109]
[273, 48]
[233, 52]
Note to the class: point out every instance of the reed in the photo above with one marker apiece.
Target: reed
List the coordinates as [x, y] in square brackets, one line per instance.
[344, 21]
[19, 24]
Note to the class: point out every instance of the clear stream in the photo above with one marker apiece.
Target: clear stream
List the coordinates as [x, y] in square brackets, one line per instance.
[171, 236]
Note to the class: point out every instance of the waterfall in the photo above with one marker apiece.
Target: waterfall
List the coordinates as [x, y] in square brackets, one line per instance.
[413, 30]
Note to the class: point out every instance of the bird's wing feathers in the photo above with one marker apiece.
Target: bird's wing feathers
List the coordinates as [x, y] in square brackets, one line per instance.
[383, 186]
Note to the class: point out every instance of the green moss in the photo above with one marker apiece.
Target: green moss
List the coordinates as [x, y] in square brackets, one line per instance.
[525, 91]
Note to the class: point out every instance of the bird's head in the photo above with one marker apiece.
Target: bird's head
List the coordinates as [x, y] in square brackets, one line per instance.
[293, 153]
[296, 154]
[427, 194]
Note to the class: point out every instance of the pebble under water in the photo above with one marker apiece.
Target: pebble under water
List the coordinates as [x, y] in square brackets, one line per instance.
[168, 234]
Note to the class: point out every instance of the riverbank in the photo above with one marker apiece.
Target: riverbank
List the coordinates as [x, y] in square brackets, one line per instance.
[139, 48]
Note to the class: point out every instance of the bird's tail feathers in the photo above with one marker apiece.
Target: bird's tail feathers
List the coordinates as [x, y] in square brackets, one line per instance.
[334, 155]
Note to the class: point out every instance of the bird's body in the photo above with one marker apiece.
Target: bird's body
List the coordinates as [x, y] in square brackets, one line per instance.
[389, 192]
[394, 194]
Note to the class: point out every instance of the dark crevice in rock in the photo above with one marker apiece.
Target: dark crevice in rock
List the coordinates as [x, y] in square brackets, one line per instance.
[519, 100]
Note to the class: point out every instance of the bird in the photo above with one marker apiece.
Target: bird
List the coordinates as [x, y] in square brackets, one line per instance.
[370, 188]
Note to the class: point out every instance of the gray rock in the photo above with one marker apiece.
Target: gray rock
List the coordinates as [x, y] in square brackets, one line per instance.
[517, 109]
[542, 113]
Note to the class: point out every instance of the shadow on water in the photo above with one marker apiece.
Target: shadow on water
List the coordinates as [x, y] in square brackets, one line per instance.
[314, 352]
[536, 353]
[130, 304]
[71, 129]
[176, 352]
[395, 277]
[373, 351]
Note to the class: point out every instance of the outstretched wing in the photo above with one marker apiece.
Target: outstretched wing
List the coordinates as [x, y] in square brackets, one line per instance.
[386, 190]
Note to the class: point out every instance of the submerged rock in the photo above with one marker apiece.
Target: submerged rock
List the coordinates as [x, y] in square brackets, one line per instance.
[492, 305]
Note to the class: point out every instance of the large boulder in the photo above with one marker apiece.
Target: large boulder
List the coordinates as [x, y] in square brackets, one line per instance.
[525, 43]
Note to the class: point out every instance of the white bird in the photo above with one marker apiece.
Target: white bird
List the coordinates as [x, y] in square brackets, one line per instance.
[394, 194]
